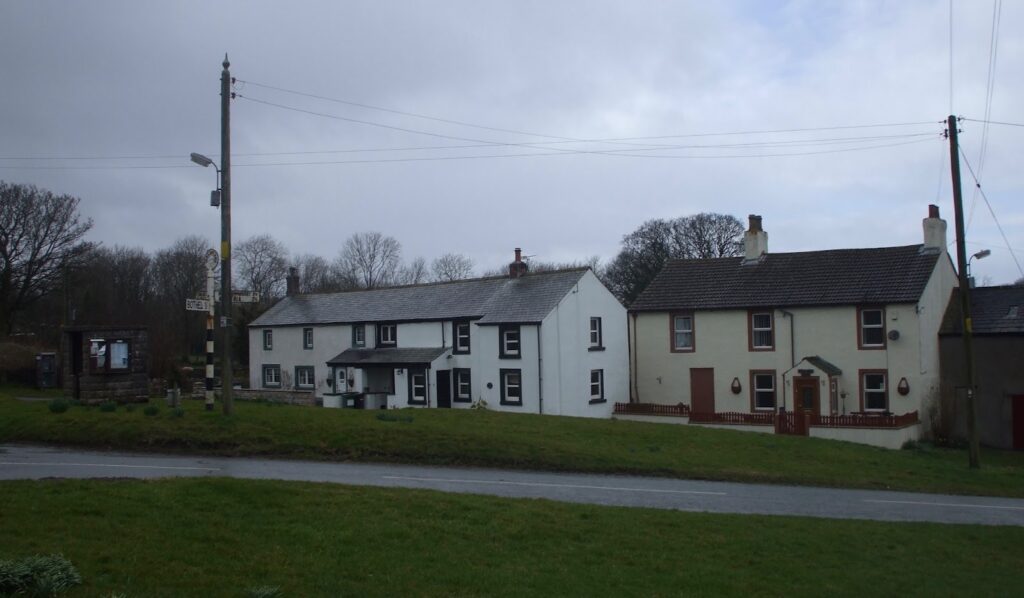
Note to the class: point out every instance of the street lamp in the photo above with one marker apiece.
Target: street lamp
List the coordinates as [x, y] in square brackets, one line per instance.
[984, 253]
[204, 162]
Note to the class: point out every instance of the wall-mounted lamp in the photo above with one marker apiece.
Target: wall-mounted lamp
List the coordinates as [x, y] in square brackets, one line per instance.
[737, 388]
[903, 387]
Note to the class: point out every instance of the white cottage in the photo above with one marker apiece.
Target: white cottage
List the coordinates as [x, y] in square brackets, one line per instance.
[837, 343]
[546, 342]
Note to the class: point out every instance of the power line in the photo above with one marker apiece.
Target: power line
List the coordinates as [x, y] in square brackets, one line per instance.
[765, 144]
[991, 211]
[992, 122]
[479, 156]
[561, 139]
[993, 53]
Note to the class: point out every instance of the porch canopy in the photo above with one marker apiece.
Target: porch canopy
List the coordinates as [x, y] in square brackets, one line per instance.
[394, 357]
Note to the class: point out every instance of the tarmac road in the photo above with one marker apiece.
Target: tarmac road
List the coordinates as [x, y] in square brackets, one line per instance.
[39, 462]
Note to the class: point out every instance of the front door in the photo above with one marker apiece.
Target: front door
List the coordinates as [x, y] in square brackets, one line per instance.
[444, 389]
[805, 394]
[702, 390]
[340, 380]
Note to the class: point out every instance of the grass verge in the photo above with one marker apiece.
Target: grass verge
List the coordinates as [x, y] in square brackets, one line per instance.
[519, 441]
[217, 537]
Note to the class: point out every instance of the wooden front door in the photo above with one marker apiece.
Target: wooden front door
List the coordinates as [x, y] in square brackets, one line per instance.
[805, 394]
[444, 389]
[1018, 421]
[702, 390]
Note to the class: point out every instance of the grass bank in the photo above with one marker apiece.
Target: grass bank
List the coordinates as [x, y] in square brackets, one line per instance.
[503, 440]
[217, 537]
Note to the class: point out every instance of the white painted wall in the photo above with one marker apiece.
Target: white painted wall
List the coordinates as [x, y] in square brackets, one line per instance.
[721, 341]
[567, 358]
[288, 352]
[563, 344]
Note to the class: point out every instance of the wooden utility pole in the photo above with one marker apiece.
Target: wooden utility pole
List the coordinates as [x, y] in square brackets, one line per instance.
[974, 456]
[225, 236]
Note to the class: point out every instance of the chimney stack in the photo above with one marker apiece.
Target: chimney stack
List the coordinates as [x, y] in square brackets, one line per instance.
[518, 267]
[934, 231]
[292, 281]
[755, 241]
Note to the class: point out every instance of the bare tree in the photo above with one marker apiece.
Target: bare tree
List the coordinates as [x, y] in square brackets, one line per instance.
[317, 275]
[452, 266]
[179, 273]
[262, 265]
[414, 272]
[645, 250]
[40, 235]
[370, 260]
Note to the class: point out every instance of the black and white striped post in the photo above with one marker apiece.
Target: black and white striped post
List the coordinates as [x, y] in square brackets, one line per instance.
[211, 265]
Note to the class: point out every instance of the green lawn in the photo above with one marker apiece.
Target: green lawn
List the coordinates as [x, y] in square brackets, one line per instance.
[218, 537]
[490, 439]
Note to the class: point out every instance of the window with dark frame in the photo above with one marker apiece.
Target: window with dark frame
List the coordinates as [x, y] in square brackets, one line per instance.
[509, 341]
[762, 331]
[463, 385]
[358, 335]
[417, 386]
[682, 332]
[512, 387]
[307, 338]
[268, 340]
[762, 389]
[871, 333]
[387, 334]
[305, 376]
[109, 355]
[271, 376]
[596, 341]
[873, 391]
[460, 337]
[596, 386]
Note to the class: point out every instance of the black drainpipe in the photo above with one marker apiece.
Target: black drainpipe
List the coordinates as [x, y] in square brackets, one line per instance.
[792, 354]
[540, 376]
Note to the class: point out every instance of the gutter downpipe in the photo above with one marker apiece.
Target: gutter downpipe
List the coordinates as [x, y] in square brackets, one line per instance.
[540, 374]
[792, 353]
[630, 338]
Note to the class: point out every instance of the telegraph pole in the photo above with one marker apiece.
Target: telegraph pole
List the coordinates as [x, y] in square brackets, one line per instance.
[225, 236]
[974, 456]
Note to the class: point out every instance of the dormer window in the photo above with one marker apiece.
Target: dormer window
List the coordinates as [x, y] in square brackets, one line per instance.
[508, 341]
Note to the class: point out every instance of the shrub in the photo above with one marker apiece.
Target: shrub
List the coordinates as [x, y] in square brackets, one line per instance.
[108, 406]
[37, 576]
[58, 406]
[151, 410]
[387, 417]
[177, 412]
[263, 592]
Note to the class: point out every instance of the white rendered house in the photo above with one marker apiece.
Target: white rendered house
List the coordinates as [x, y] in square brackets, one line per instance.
[845, 340]
[546, 342]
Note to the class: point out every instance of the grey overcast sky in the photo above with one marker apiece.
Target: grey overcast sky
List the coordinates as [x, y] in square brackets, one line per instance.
[135, 84]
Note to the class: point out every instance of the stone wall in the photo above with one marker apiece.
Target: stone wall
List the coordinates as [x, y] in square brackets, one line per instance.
[84, 383]
[291, 397]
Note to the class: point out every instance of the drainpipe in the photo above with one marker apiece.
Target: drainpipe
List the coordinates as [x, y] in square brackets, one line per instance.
[630, 344]
[792, 354]
[540, 376]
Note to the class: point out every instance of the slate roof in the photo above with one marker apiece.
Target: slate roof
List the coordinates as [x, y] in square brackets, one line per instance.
[391, 357]
[523, 300]
[826, 366]
[994, 310]
[830, 277]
